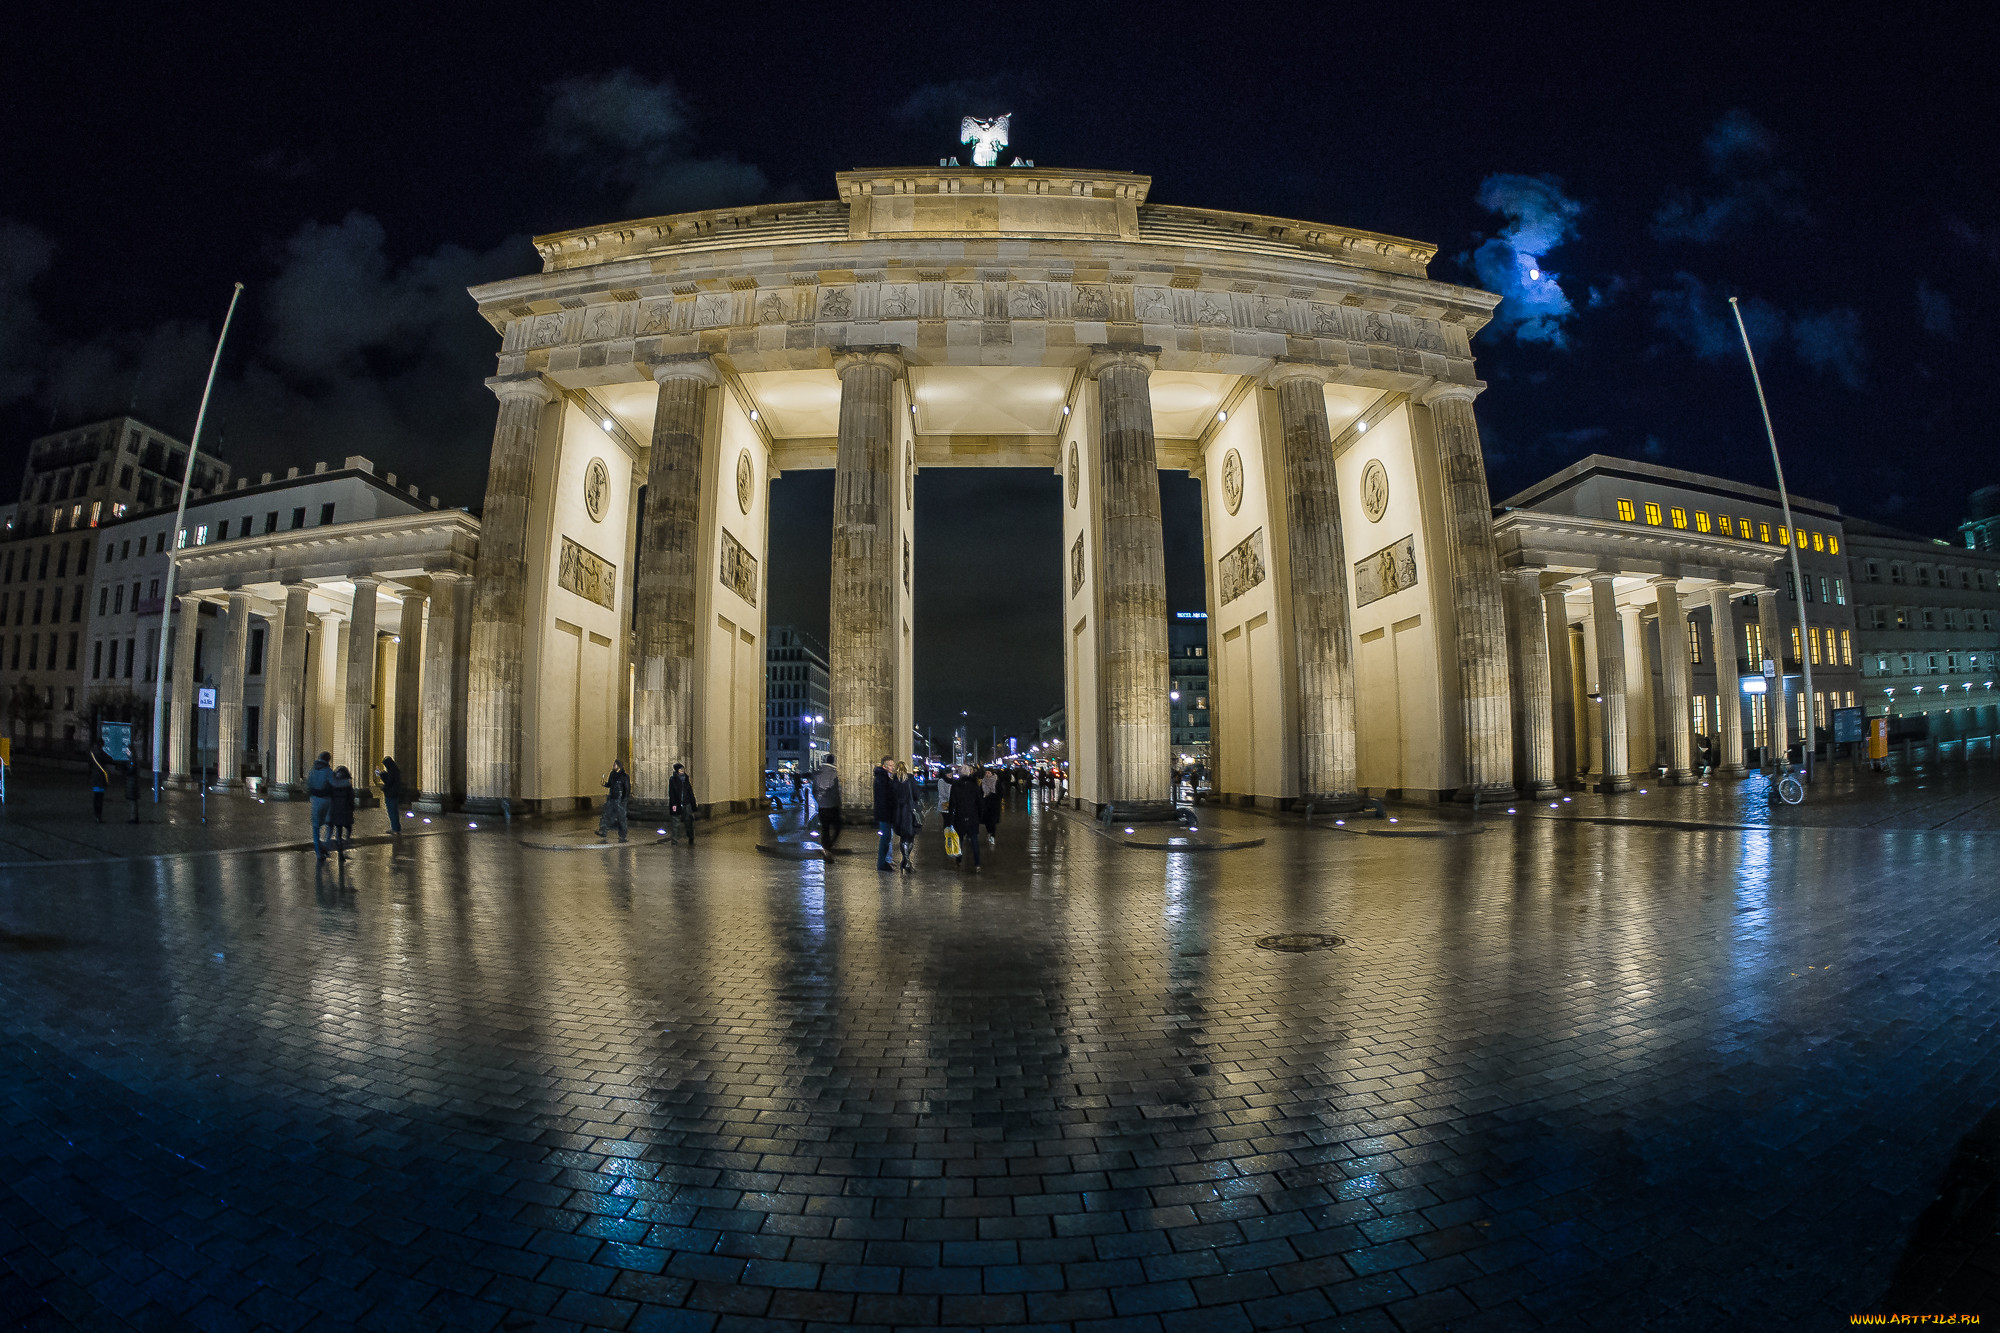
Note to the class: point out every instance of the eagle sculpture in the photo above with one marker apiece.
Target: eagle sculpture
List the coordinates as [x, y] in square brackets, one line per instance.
[987, 138]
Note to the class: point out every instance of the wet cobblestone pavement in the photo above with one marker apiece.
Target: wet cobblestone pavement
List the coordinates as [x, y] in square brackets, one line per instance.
[1564, 1074]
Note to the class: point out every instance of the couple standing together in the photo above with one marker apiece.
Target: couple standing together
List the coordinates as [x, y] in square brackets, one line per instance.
[973, 800]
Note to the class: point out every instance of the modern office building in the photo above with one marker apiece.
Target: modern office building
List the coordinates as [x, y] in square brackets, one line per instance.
[796, 687]
[1927, 636]
[1981, 531]
[1187, 677]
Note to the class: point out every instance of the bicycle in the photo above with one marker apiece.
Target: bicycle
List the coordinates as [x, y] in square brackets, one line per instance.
[1790, 790]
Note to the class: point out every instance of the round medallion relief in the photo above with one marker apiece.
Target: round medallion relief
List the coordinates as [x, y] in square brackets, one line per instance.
[596, 489]
[1374, 490]
[1072, 476]
[746, 479]
[1232, 480]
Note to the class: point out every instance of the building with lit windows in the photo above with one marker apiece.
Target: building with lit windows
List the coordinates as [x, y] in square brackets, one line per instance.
[796, 688]
[1187, 678]
[1928, 630]
[1982, 530]
[1611, 554]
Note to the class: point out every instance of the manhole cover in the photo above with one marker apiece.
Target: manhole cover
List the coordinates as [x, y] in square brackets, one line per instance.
[1301, 943]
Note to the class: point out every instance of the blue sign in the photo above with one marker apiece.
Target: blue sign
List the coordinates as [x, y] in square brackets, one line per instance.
[115, 739]
[204, 698]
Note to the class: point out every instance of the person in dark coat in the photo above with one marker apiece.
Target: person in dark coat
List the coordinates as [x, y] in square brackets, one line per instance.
[132, 788]
[826, 795]
[100, 778]
[907, 811]
[319, 791]
[617, 792]
[391, 778]
[885, 809]
[990, 800]
[680, 805]
[340, 810]
[965, 798]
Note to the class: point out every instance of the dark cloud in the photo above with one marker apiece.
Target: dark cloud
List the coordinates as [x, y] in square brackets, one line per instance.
[1830, 342]
[1700, 318]
[1745, 186]
[1540, 216]
[1933, 308]
[625, 134]
[24, 257]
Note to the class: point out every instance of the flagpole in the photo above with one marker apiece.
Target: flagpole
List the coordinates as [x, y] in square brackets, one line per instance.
[160, 683]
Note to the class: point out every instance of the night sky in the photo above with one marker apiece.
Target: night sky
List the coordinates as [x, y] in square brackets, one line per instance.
[1832, 167]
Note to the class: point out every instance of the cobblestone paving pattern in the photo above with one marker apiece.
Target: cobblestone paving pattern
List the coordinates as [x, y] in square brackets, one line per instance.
[1562, 1075]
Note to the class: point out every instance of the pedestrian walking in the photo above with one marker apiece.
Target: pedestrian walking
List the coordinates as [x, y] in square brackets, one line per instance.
[885, 809]
[907, 810]
[390, 778]
[319, 798]
[964, 812]
[617, 795]
[100, 778]
[340, 810]
[680, 805]
[826, 795]
[132, 787]
[989, 805]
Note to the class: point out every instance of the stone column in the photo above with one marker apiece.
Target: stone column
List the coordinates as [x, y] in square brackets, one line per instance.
[1777, 721]
[1676, 683]
[1321, 622]
[1132, 585]
[862, 654]
[360, 700]
[1639, 728]
[409, 674]
[1562, 682]
[438, 717]
[285, 689]
[499, 618]
[1475, 590]
[1615, 767]
[669, 574]
[1729, 704]
[1536, 740]
[229, 697]
[180, 702]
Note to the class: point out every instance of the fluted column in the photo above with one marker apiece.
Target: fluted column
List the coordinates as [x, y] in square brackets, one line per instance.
[409, 690]
[1676, 683]
[1562, 682]
[1535, 737]
[356, 749]
[669, 573]
[181, 716]
[1321, 622]
[499, 618]
[1777, 720]
[1722, 643]
[1615, 767]
[438, 717]
[1475, 590]
[862, 651]
[1132, 629]
[229, 697]
[285, 689]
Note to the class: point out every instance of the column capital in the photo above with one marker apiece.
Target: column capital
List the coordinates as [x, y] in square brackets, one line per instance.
[1446, 390]
[1287, 368]
[521, 386]
[447, 576]
[1665, 581]
[1601, 577]
[1108, 356]
[687, 366]
[889, 356]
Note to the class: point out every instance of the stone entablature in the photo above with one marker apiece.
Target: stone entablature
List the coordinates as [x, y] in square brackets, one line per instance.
[1557, 543]
[780, 286]
[404, 547]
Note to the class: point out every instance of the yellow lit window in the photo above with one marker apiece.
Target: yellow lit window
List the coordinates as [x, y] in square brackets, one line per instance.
[1784, 536]
[1833, 546]
[1625, 510]
[1815, 647]
[1753, 638]
[1795, 644]
[1743, 530]
[1847, 656]
[1802, 538]
[1763, 531]
[1819, 542]
[1701, 520]
[1722, 525]
[1652, 513]
[1679, 516]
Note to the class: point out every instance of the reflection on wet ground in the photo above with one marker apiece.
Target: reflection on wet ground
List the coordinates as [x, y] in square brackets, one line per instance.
[1561, 1074]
